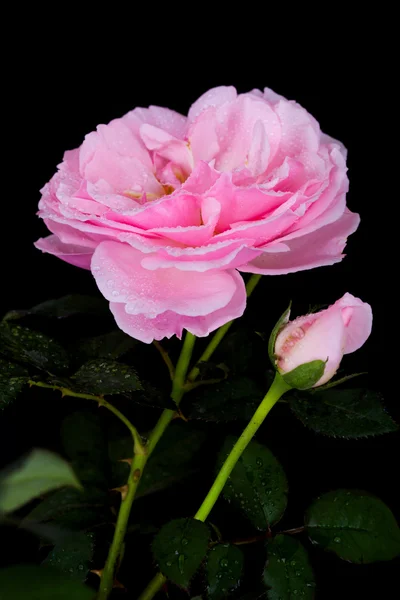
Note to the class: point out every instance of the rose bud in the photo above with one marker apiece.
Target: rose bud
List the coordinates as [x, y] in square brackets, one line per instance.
[307, 351]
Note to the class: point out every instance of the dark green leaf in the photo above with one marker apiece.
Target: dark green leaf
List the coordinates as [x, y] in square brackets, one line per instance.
[149, 395]
[351, 413]
[72, 509]
[32, 347]
[31, 582]
[169, 463]
[106, 377]
[66, 306]
[12, 379]
[84, 444]
[355, 525]
[257, 485]
[232, 399]
[224, 570]
[179, 549]
[109, 345]
[40, 472]
[288, 573]
[171, 460]
[274, 333]
[243, 352]
[73, 555]
[305, 376]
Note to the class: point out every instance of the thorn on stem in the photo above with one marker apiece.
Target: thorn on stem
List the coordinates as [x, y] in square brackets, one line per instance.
[123, 490]
[97, 572]
[179, 415]
[126, 460]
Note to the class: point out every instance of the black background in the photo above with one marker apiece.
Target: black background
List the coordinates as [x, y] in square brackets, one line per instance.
[71, 76]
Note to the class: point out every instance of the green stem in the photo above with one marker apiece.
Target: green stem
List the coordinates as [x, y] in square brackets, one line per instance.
[166, 359]
[138, 464]
[138, 446]
[107, 576]
[220, 333]
[277, 389]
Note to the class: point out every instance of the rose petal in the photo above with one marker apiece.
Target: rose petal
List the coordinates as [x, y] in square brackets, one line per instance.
[121, 278]
[79, 256]
[321, 247]
[169, 323]
[359, 322]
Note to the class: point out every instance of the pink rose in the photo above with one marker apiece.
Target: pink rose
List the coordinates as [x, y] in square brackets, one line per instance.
[166, 210]
[327, 335]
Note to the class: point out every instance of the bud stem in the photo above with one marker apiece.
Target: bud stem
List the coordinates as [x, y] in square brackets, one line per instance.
[277, 389]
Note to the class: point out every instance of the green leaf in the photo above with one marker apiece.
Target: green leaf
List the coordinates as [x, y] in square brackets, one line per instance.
[60, 308]
[40, 472]
[31, 582]
[257, 485]
[106, 377]
[243, 352]
[305, 376]
[151, 396]
[72, 509]
[274, 333]
[224, 570]
[72, 556]
[12, 379]
[351, 413]
[84, 444]
[179, 549]
[170, 462]
[32, 347]
[229, 400]
[288, 573]
[356, 526]
[109, 345]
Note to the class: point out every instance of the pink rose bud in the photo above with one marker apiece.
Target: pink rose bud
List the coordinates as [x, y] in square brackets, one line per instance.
[317, 342]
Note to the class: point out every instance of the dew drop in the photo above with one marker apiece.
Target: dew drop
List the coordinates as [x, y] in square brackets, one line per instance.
[337, 540]
[185, 542]
[224, 562]
[181, 560]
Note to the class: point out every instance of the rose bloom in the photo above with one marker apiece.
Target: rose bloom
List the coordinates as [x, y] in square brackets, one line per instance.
[326, 335]
[167, 210]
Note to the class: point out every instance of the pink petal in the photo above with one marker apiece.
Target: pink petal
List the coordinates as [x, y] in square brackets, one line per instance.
[79, 256]
[213, 98]
[321, 247]
[243, 203]
[169, 323]
[224, 255]
[358, 322]
[170, 121]
[121, 278]
[258, 156]
[299, 131]
[180, 209]
[167, 146]
[201, 179]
